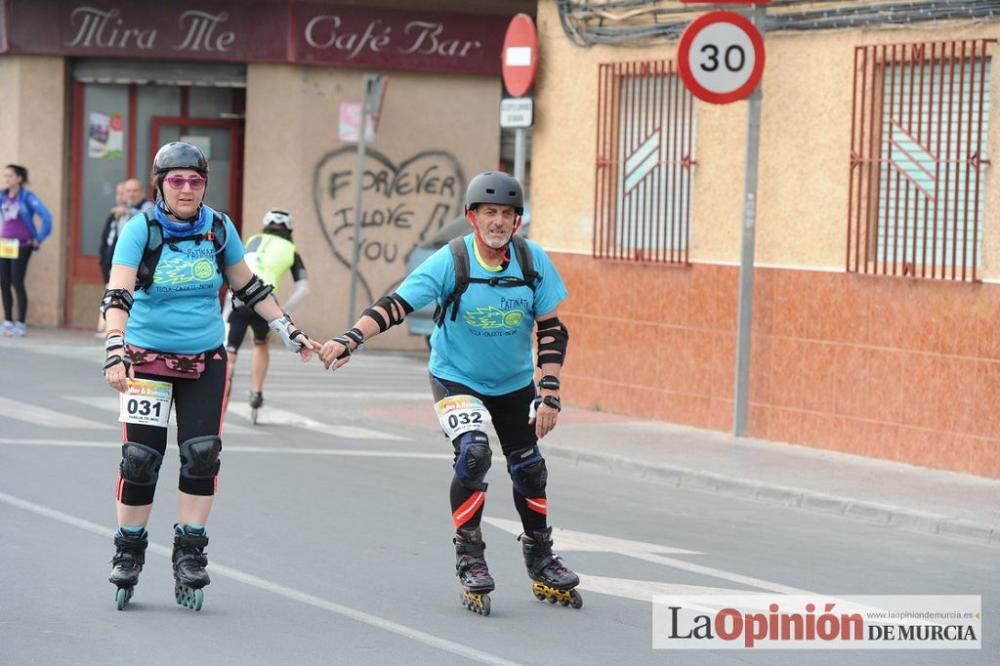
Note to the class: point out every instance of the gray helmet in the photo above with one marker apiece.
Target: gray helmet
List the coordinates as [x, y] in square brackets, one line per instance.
[495, 187]
[178, 155]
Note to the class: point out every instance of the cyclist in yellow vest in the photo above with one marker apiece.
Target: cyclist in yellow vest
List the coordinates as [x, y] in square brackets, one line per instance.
[270, 255]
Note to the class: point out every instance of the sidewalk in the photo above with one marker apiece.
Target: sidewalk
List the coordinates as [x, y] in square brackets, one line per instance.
[876, 491]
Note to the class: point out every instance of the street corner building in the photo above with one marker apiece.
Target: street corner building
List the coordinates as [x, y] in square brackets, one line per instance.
[271, 91]
[875, 299]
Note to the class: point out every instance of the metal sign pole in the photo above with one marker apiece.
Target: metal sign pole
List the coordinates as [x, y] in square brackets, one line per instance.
[359, 174]
[741, 397]
[519, 155]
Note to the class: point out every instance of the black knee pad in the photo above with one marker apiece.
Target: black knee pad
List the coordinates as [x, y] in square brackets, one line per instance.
[200, 457]
[527, 471]
[472, 459]
[140, 464]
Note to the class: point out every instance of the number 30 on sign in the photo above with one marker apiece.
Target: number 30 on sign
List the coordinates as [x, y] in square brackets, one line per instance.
[721, 57]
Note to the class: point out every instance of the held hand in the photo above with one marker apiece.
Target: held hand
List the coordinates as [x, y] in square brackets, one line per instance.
[334, 353]
[308, 347]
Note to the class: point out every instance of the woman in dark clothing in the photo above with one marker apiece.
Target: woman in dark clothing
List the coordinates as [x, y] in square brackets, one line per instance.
[18, 239]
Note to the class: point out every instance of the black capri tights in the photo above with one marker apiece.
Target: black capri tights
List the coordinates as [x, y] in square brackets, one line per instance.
[199, 412]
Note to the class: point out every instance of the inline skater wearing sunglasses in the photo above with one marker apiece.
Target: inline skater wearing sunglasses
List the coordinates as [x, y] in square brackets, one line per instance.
[164, 348]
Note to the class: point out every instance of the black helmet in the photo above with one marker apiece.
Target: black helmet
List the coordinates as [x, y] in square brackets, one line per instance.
[495, 187]
[179, 155]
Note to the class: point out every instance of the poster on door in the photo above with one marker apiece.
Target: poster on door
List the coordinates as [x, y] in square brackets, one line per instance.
[105, 135]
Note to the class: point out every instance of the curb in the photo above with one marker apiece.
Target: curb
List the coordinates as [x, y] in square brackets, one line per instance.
[872, 513]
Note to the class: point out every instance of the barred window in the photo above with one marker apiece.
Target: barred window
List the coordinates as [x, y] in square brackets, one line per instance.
[645, 143]
[918, 158]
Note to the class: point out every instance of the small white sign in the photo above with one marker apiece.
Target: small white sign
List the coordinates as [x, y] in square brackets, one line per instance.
[349, 127]
[518, 56]
[516, 112]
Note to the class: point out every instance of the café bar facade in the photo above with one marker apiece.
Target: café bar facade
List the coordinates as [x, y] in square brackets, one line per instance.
[270, 90]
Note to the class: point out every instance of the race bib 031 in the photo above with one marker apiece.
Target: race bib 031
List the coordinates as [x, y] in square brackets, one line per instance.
[146, 402]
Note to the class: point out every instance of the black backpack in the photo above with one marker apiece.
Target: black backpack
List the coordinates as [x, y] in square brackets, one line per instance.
[154, 247]
[460, 256]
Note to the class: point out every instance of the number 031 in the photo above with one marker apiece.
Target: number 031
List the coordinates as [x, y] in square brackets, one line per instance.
[143, 407]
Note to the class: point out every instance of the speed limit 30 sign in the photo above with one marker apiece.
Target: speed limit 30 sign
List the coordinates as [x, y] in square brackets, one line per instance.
[721, 57]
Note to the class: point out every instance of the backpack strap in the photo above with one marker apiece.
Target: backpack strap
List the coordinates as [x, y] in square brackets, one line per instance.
[531, 276]
[151, 253]
[219, 239]
[460, 258]
[154, 247]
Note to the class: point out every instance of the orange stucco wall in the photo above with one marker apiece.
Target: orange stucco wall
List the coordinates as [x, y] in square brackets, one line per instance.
[905, 370]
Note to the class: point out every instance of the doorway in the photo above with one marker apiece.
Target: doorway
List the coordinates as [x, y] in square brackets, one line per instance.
[117, 128]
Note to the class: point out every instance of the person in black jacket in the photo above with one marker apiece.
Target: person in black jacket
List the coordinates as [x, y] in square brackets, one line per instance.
[117, 217]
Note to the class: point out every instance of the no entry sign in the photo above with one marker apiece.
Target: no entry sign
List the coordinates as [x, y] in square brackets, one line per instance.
[721, 57]
[520, 55]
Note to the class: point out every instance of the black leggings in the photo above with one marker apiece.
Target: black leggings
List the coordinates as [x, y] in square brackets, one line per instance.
[509, 414]
[199, 412]
[12, 273]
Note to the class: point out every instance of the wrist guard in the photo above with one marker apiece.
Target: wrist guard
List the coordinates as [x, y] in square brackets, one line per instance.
[281, 326]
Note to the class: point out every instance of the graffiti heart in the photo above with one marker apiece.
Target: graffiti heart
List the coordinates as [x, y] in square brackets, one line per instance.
[402, 203]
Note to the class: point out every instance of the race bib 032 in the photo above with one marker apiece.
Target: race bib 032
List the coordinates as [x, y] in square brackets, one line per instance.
[459, 414]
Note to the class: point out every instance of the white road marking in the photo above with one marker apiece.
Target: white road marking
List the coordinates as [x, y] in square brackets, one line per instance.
[591, 542]
[275, 416]
[327, 394]
[275, 588]
[46, 418]
[644, 590]
[110, 403]
[360, 453]
[227, 448]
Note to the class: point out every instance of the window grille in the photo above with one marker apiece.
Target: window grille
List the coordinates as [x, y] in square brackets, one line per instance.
[918, 158]
[645, 143]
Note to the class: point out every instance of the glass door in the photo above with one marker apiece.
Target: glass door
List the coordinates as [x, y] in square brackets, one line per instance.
[221, 141]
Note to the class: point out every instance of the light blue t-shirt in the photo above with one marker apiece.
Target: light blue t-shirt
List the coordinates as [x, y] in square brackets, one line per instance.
[489, 345]
[179, 312]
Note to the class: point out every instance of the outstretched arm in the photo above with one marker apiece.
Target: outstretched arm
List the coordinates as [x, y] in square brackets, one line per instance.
[259, 297]
[382, 315]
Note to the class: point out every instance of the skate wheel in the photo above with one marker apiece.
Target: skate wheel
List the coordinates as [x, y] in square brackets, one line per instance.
[553, 600]
[189, 597]
[122, 596]
[576, 601]
[476, 602]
